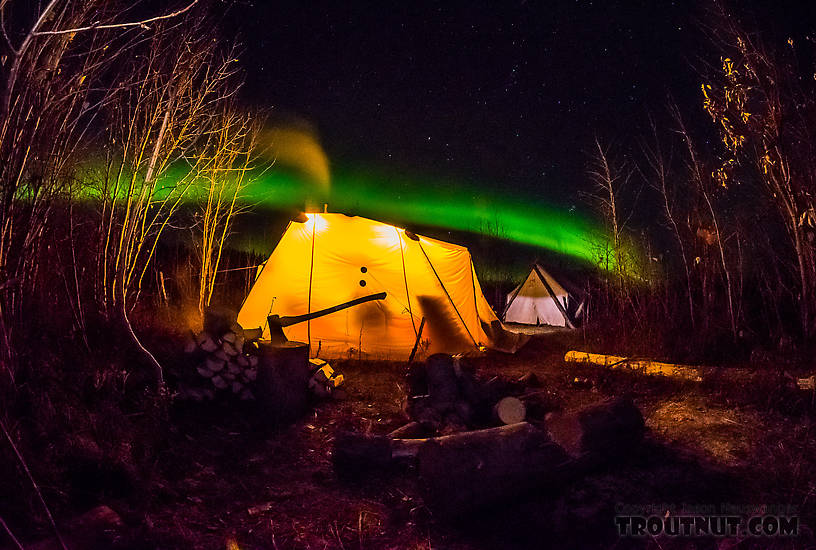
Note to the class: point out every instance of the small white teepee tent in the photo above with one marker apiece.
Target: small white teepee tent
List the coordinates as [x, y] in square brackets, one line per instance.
[539, 300]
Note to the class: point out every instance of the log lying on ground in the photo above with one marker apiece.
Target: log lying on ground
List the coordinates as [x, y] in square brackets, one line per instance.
[644, 366]
[409, 430]
[467, 471]
[598, 433]
[357, 453]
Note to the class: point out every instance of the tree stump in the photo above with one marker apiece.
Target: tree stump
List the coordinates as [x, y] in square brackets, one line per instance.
[443, 386]
[282, 381]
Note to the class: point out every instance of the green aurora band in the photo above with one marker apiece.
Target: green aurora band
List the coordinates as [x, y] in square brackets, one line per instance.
[442, 204]
[405, 200]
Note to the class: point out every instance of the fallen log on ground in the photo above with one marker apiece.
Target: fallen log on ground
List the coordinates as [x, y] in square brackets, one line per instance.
[644, 366]
[354, 452]
[409, 430]
[598, 433]
[467, 471]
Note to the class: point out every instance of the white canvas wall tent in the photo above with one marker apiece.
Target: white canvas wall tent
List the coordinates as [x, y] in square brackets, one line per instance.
[330, 259]
[541, 299]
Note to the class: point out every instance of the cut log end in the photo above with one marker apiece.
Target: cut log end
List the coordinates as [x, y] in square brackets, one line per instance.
[206, 342]
[608, 429]
[510, 410]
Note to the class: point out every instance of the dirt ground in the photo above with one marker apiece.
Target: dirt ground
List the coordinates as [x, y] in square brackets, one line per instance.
[231, 481]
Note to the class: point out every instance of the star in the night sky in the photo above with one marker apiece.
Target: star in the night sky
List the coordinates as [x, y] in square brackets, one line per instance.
[484, 92]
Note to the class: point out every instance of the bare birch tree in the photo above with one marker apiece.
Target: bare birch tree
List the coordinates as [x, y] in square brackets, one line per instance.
[764, 114]
[52, 86]
[659, 173]
[231, 159]
[610, 178]
[162, 133]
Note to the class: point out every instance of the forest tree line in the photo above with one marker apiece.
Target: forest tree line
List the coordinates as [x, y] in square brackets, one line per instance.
[727, 263]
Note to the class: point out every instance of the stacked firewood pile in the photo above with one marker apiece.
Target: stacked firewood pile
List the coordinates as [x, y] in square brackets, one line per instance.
[227, 359]
[324, 381]
[445, 396]
[225, 356]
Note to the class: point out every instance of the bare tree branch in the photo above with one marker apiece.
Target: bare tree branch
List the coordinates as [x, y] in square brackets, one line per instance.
[24, 465]
[8, 531]
[142, 23]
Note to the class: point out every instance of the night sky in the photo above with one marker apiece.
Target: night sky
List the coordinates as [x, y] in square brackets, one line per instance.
[506, 96]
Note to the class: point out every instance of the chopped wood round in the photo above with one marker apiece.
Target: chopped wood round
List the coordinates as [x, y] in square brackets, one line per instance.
[206, 342]
[219, 382]
[213, 364]
[204, 371]
[510, 410]
[229, 349]
[608, 429]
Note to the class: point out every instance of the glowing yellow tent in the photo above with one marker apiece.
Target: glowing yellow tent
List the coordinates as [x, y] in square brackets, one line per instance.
[334, 258]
